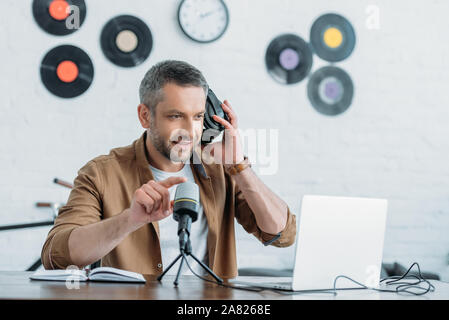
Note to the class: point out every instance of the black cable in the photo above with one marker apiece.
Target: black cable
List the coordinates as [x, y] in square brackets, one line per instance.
[421, 279]
[401, 288]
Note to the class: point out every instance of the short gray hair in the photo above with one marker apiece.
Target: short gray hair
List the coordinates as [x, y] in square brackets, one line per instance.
[179, 72]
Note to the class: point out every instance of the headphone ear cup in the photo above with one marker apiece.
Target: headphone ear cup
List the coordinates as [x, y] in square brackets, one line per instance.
[209, 123]
[212, 128]
[213, 107]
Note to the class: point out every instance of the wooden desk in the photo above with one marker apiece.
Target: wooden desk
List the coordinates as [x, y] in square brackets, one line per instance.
[17, 285]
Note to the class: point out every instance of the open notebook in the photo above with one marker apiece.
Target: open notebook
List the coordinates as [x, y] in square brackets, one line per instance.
[106, 274]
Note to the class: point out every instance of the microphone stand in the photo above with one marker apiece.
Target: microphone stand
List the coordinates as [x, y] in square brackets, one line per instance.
[187, 251]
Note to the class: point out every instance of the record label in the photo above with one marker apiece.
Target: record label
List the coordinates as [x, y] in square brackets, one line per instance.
[59, 9]
[67, 71]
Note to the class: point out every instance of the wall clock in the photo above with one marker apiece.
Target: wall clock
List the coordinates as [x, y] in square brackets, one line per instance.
[203, 20]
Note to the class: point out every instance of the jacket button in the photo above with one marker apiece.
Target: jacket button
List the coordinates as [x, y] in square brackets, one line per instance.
[159, 265]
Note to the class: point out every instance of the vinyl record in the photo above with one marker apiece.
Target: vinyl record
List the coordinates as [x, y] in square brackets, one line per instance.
[59, 17]
[330, 90]
[126, 41]
[67, 71]
[332, 37]
[288, 59]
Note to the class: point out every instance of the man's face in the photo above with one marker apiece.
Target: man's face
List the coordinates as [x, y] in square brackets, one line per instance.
[177, 125]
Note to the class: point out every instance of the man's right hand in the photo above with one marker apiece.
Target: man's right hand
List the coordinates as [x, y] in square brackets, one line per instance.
[151, 202]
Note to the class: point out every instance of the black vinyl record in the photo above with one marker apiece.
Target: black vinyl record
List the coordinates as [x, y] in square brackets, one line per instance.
[57, 17]
[332, 37]
[67, 71]
[330, 90]
[126, 41]
[288, 59]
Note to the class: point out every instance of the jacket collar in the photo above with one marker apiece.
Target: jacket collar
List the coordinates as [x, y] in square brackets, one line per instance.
[141, 152]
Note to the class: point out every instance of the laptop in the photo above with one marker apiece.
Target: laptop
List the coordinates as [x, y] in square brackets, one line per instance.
[336, 236]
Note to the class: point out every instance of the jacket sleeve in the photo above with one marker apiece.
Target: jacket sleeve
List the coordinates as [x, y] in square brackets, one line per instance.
[245, 217]
[83, 207]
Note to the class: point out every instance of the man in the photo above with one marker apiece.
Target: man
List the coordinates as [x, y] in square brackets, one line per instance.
[120, 208]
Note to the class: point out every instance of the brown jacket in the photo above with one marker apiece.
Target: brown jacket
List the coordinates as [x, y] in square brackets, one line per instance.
[105, 186]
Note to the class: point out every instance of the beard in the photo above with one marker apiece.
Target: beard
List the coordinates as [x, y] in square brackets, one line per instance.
[168, 148]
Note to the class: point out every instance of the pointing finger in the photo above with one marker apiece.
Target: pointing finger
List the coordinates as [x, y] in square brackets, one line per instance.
[172, 181]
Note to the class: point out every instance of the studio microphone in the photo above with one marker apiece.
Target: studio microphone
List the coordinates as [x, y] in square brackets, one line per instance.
[185, 210]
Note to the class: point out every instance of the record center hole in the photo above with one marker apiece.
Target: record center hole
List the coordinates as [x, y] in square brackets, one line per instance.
[333, 37]
[126, 41]
[59, 9]
[67, 71]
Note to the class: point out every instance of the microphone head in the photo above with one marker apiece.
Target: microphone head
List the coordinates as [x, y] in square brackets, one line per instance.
[187, 190]
[187, 200]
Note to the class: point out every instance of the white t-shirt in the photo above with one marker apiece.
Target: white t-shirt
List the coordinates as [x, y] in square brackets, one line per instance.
[168, 229]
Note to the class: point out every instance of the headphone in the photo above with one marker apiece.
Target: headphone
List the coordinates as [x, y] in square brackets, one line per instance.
[211, 127]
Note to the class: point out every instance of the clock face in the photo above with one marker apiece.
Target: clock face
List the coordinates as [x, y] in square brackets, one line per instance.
[203, 20]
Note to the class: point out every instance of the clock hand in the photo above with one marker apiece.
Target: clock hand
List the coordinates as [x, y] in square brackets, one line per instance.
[203, 15]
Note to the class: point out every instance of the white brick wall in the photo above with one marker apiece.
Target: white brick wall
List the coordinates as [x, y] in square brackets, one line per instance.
[393, 141]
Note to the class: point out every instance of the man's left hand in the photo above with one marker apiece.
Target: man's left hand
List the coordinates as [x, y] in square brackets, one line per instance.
[229, 150]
